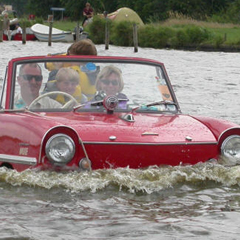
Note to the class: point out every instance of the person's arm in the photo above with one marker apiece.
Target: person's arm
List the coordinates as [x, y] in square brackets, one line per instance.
[8, 24]
[91, 13]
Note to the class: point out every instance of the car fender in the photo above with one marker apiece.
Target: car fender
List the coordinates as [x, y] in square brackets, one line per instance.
[221, 129]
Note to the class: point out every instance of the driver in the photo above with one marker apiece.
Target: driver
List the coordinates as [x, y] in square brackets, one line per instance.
[30, 81]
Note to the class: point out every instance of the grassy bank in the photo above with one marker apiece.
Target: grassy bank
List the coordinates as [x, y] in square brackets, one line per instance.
[173, 33]
[229, 32]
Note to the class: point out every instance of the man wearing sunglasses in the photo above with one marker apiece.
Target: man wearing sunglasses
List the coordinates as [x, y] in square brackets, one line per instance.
[30, 81]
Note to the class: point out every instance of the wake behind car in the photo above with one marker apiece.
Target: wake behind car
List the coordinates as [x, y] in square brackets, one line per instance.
[120, 112]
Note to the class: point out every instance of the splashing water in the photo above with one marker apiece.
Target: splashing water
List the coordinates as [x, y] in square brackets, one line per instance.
[153, 179]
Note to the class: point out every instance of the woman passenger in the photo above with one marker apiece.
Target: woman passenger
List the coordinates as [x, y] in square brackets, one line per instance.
[110, 81]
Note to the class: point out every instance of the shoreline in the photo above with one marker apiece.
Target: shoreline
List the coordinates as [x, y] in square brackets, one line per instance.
[193, 47]
[209, 48]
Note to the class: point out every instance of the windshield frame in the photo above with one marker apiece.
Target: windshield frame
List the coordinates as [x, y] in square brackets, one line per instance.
[8, 87]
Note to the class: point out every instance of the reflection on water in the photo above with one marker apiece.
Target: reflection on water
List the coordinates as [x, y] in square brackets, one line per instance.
[183, 202]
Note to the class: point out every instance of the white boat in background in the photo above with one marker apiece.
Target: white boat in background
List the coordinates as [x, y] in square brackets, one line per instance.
[42, 34]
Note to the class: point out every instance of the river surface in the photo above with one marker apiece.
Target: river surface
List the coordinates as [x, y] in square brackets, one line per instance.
[183, 202]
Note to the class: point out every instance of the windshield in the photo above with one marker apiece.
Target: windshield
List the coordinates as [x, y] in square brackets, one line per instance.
[63, 85]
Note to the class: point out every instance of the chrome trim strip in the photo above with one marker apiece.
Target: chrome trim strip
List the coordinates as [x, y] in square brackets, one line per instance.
[149, 134]
[151, 144]
[229, 129]
[18, 159]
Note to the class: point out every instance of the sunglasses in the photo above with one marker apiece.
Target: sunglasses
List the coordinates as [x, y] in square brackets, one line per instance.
[28, 77]
[107, 82]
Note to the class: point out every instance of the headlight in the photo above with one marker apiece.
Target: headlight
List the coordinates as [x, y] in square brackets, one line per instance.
[60, 149]
[231, 147]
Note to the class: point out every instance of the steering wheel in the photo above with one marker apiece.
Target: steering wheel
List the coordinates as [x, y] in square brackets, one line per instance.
[70, 102]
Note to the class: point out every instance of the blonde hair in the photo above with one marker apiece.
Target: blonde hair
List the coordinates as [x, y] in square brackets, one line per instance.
[67, 74]
[106, 72]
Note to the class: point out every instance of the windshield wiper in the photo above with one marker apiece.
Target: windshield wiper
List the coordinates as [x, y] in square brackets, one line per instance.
[163, 102]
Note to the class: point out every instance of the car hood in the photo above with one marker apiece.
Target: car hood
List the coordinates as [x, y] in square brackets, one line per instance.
[150, 128]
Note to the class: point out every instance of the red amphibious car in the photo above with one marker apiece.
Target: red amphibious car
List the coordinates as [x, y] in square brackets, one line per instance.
[138, 126]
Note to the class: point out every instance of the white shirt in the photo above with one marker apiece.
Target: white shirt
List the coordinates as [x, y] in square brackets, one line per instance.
[19, 30]
[43, 103]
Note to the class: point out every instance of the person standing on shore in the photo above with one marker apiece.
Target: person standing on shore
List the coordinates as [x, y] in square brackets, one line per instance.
[6, 26]
[87, 14]
[6, 23]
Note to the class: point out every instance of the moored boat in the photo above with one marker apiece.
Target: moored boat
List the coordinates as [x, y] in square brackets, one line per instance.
[30, 36]
[42, 34]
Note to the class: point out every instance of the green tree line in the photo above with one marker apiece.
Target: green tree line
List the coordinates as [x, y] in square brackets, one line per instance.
[149, 10]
